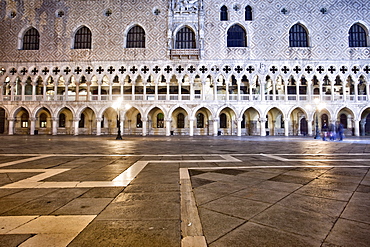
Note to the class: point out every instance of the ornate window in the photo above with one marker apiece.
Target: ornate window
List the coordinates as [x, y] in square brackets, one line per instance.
[248, 13]
[185, 39]
[43, 120]
[31, 40]
[357, 36]
[223, 121]
[224, 14]
[298, 36]
[82, 38]
[236, 37]
[180, 121]
[160, 120]
[200, 120]
[139, 123]
[136, 38]
[62, 120]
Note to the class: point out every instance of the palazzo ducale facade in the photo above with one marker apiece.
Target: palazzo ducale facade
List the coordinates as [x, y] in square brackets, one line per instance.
[184, 67]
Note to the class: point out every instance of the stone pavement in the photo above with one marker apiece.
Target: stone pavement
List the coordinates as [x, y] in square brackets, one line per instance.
[184, 191]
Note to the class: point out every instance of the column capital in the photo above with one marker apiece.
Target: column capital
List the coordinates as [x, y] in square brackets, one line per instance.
[261, 119]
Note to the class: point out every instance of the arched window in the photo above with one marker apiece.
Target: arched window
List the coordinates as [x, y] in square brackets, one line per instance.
[136, 38]
[43, 120]
[357, 36]
[223, 120]
[223, 14]
[200, 120]
[236, 37]
[248, 13]
[24, 120]
[298, 36]
[185, 39]
[81, 123]
[139, 123]
[160, 120]
[31, 40]
[82, 38]
[180, 121]
[62, 120]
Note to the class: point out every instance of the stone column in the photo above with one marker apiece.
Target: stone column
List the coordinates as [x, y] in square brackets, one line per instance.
[23, 92]
[11, 126]
[44, 92]
[54, 126]
[192, 90]
[286, 127]
[215, 127]
[33, 92]
[239, 127]
[133, 91]
[168, 91]
[262, 126]
[33, 125]
[179, 91]
[75, 126]
[156, 91]
[144, 127]
[363, 123]
[357, 127]
[98, 126]
[309, 127]
[168, 127]
[191, 126]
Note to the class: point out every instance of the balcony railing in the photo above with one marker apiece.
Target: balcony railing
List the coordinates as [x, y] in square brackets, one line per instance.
[185, 97]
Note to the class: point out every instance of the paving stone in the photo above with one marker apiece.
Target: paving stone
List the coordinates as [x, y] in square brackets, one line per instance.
[135, 233]
[291, 179]
[83, 206]
[252, 234]
[237, 207]
[257, 194]
[40, 206]
[102, 192]
[310, 224]
[325, 193]
[215, 224]
[13, 240]
[348, 233]
[313, 204]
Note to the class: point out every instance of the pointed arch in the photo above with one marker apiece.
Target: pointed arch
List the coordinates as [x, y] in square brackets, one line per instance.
[31, 39]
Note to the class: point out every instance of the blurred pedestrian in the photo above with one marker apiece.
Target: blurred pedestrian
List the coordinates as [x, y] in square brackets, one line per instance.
[340, 131]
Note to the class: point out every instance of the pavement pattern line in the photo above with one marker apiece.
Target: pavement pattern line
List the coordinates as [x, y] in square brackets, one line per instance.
[48, 230]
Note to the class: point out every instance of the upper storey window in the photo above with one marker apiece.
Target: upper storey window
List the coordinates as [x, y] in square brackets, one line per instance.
[248, 13]
[31, 40]
[357, 36]
[223, 14]
[298, 36]
[136, 37]
[236, 37]
[185, 39]
[82, 38]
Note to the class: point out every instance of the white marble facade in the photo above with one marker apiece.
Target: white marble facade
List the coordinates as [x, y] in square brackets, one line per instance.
[266, 87]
